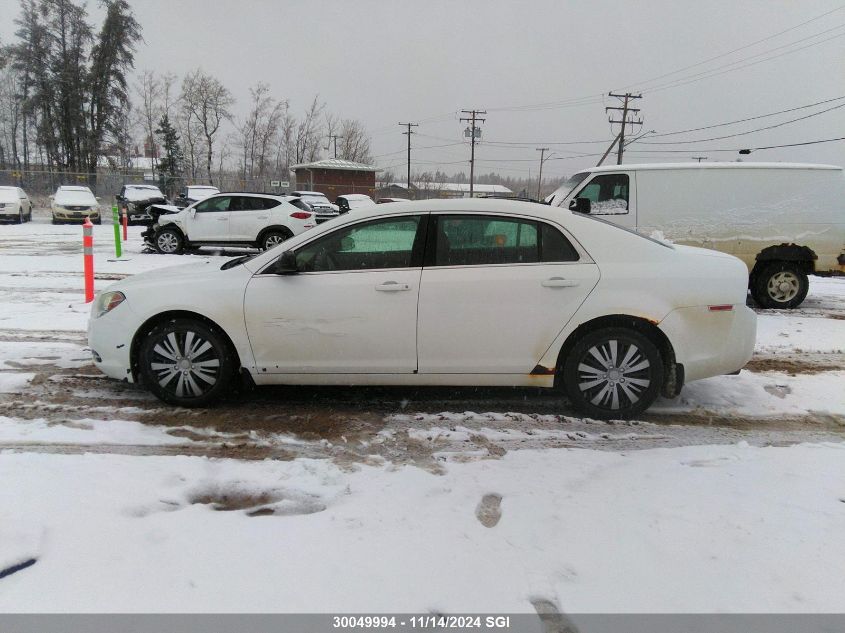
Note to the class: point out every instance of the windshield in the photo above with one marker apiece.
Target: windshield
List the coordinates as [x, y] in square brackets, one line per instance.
[564, 190]
[75, 196]
[143, 193]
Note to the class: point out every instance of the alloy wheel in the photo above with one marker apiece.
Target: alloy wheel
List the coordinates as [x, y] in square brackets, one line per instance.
[614, 374]
[167, 242]
[185, 364]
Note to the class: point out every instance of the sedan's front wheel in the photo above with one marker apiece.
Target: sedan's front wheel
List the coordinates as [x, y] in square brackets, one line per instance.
[613, 373]
[186, 363]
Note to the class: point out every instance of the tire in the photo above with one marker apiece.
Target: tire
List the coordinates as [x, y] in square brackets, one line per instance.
[186, 363]
[613, 373]
[273, 238]
[98, 220]
[169, 242]
[781, 285]
[20, 216]
[55, 221]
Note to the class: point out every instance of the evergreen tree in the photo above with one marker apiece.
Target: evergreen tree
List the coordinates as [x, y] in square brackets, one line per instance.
[172, 159]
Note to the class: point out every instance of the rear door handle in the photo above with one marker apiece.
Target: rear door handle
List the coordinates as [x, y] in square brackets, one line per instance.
[559, 282]
[392, 286]
[222, 219]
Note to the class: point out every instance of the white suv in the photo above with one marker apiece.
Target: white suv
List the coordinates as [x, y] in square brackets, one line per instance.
[227, 219]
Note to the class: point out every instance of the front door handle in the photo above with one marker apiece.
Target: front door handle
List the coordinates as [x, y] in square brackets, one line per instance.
[559, 282]
[392, 286]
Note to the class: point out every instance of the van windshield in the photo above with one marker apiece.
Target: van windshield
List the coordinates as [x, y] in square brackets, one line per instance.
[558, 196]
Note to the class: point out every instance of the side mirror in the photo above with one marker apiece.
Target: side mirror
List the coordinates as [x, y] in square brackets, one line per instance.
[52, 197]
[580, 205]
[193, 212]
[98, 198]
[285, 265]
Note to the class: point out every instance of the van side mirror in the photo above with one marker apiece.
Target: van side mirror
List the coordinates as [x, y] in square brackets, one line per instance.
[285, 265]
[580, 205]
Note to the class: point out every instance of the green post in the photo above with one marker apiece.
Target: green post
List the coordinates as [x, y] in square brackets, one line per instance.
[115, 214]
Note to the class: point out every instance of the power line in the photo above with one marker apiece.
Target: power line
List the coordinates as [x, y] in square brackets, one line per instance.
[752, 149]
[760, 129]
[752, 118]
[735, 50]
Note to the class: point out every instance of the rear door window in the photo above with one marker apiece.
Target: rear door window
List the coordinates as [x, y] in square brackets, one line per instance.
[473, 240]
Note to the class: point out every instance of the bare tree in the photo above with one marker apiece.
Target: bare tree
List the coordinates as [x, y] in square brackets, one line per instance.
[355, 142]
[149, 91]
[308, 132]
[209, 103]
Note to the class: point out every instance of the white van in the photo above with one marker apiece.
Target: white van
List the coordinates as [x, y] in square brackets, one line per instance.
[783, 220]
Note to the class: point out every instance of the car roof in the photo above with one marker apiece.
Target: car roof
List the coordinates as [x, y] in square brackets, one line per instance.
[308, 193]
[355, 196]
[202, 187]
[142, 186]
[465, 205]
[73, 188]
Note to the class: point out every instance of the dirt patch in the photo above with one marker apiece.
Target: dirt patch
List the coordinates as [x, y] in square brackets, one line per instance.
[790, 366]
[489, 510]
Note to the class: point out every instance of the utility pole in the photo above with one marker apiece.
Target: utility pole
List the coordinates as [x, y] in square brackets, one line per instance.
[542, 151]
[408, 134]
[624, 121]
[699, 158]
[473, 132]
[333, 138]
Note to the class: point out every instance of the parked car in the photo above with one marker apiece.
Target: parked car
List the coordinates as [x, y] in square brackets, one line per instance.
[299, 203]
[135, 201]
[324, 209]
[386, 200]
[15, 205]
[784, 221]
[449, 292]
[233, 219]
[350, 201]
[194, 193]
[73, 204]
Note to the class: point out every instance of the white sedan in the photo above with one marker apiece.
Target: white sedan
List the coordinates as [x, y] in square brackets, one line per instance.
[450, 292]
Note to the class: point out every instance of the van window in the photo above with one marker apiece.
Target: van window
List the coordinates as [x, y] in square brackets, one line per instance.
[607, 193]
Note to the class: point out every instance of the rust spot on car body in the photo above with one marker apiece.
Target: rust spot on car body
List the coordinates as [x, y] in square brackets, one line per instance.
[539, 370]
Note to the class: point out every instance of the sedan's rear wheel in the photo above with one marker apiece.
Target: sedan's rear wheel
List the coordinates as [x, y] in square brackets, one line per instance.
[186, 363]
[613, 373]
[169, 242]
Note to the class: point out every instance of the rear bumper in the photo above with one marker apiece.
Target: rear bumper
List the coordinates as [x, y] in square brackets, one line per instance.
[710, 343]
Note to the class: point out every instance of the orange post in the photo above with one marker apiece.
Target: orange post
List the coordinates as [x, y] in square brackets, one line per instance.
[125, 224]
[88, 259]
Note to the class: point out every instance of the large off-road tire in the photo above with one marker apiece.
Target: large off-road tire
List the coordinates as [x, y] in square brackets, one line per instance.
[273, 238]
[186, 363]
[613, 373]
[169, 241]
[780, 285]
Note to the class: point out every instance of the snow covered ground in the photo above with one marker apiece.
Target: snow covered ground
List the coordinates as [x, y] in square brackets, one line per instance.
[730, 497]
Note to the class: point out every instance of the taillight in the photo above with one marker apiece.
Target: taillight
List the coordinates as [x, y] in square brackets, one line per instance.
[300, 215]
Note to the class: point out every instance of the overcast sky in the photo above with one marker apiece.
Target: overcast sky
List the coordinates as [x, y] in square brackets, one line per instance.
[388, 61]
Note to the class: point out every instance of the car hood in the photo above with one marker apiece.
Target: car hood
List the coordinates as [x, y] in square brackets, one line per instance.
[180, 272]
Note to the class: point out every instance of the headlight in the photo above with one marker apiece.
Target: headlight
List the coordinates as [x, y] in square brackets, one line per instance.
[107, 302]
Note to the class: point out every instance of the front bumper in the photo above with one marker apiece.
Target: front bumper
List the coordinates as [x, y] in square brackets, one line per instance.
[110, 342]
[76, 216]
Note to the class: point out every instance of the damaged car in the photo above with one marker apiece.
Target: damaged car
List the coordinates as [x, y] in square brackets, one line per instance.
[135, 201]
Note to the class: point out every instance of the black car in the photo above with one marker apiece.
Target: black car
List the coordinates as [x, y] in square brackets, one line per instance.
[135, 200]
